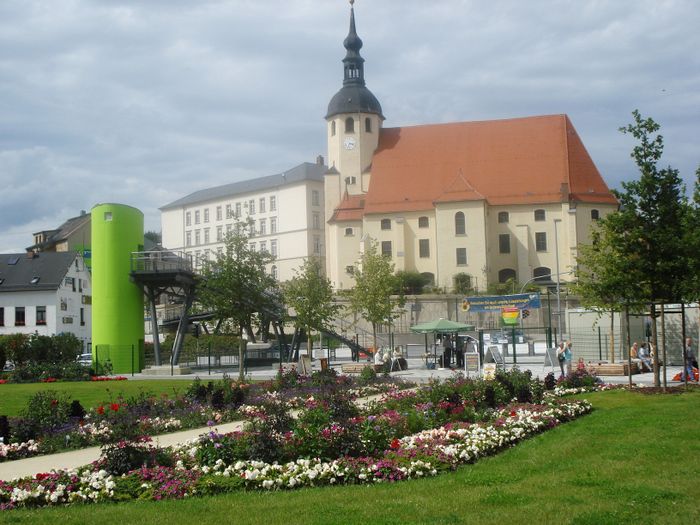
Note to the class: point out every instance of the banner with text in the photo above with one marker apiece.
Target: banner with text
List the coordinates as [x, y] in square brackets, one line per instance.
[496, 303]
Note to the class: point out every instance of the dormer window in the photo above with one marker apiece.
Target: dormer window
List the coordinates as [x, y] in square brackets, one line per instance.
[349, 125]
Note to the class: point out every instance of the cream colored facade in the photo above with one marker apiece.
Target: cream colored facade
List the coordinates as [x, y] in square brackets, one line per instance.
[287, 212]
[448, 226]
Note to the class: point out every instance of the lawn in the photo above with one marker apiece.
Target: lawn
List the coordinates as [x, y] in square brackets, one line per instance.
[14, 396]
[634, 460]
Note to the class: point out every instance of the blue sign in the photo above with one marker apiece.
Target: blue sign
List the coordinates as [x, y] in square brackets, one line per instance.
[495, 303]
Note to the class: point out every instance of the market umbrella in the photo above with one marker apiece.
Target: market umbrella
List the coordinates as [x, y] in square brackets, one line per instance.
[440, 326]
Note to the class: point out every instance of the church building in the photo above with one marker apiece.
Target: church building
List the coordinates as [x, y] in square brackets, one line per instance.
[496, 200]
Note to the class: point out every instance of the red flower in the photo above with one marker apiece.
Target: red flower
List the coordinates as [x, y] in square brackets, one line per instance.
[395, 444]
[54, 402]
[513, 413]
[100, 410]
[3, 381]
[114, 406]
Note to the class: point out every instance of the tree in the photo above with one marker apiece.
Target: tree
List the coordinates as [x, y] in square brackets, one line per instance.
[607, 272]
[410, 282]
[153, 236]
[640, 254]
[236, 285]
[310, 293]
[375, 282]
[463, 284]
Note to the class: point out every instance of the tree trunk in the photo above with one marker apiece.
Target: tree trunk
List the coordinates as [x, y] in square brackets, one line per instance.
[309, 343]
[629, 345]
[241, 357]
[663, 342]
[374, 336]
[611, 351]
[655, 338]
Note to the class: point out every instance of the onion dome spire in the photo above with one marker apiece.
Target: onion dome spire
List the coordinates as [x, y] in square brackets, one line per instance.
[353, 97]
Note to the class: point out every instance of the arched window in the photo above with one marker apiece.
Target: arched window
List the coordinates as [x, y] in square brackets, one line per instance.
[460, 226]
[595, 215]
[539, 215]
[502, 217]
[423, 222]
[386, 224]
[368, 125]
[273, 271]
[333, 129]
[542, 274]
[349, 125]
[505, 274]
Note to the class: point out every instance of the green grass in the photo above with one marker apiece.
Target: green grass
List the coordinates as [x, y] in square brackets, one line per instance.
[14, 397]
[634, 460]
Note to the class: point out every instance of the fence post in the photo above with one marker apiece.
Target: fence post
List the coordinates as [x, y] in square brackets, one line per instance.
[515, 358]
[132, 360]
[600, 346]
[209, 356]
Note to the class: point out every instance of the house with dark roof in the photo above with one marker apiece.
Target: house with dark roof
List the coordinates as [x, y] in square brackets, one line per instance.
[71, 236]
[285, 210]
[46, 293]
[496, 200]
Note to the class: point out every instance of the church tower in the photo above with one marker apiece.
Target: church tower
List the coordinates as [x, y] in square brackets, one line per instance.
[353, 120]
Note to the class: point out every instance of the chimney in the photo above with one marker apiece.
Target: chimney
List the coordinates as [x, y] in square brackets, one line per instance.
[319, 160]
[82, 212]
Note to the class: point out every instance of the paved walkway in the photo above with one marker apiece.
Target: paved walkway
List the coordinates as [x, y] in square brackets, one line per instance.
[417, 372]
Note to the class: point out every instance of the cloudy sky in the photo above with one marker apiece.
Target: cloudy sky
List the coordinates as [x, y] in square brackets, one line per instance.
[144, 101]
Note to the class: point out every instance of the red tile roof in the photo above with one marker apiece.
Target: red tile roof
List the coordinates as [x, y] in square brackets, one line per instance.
[517, 161]
[349, 209]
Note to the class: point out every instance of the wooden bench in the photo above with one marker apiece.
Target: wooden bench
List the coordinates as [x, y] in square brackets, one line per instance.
[357, 368]
[612, 369]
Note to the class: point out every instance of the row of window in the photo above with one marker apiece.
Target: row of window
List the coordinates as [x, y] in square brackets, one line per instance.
[40, 316]
[261, 230]
[232, 210]
[350, 126]
[540, 215]
[460, 220]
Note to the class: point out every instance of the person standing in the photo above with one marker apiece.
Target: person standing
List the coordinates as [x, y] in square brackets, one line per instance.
[561, 358]
[690, 359]
[568, 357]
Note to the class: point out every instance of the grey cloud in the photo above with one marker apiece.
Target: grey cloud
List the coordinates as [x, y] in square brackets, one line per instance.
[143, 102]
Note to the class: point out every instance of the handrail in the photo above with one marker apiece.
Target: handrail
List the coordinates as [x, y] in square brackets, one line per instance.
[161, 261]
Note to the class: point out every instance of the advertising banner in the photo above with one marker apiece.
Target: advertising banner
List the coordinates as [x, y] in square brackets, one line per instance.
[496, 303]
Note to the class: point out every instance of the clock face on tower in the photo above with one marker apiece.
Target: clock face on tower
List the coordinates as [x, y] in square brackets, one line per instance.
[349, 143]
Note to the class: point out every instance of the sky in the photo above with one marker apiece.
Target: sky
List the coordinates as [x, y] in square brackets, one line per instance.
[142, 102]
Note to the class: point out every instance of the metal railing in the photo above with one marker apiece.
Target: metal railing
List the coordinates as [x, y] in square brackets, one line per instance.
[161, 261]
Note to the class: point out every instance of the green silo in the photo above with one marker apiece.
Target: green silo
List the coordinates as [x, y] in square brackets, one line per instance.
[117, 303]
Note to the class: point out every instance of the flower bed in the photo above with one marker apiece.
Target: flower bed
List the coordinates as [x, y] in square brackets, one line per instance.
[417, 455]
[52, 422]
[328, 439]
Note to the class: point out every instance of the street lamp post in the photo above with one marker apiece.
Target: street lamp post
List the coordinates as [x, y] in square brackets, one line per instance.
[556, 253]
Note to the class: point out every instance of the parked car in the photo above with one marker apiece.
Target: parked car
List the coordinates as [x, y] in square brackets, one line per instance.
[85, 359]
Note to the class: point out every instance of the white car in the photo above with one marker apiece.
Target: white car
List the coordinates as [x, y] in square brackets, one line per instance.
[85, 359]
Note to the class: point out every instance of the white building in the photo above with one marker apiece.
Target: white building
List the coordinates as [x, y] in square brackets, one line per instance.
[46, 293]
[286, 210]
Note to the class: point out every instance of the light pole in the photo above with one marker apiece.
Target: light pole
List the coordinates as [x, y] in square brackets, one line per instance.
[556, 253]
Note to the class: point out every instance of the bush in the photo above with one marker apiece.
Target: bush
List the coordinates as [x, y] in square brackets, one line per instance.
[125, 456]
[367, 376]
[48, 410]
